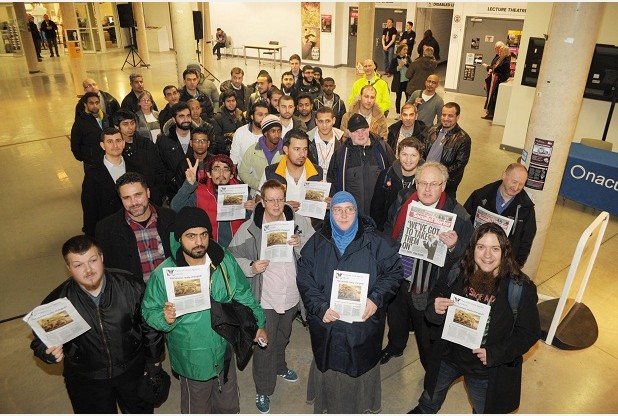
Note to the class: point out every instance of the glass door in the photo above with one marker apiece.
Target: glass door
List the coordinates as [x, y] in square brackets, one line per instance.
[11, 41]
[87, 23]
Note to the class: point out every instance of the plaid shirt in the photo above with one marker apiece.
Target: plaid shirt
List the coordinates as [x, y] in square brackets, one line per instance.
[149, 243]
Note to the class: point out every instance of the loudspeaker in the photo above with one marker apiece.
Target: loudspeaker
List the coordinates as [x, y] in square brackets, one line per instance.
[198, 29]
[125, 15]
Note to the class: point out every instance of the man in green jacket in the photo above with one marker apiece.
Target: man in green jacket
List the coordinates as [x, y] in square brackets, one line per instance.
[196, 350]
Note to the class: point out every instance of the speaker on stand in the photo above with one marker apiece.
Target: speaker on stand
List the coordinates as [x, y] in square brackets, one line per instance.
[125, 18]
[198, 33]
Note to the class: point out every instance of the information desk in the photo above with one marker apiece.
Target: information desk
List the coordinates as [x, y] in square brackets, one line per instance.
[275, 49]
[591, 178]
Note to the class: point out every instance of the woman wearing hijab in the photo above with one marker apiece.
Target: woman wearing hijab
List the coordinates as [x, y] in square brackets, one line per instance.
[345, 372]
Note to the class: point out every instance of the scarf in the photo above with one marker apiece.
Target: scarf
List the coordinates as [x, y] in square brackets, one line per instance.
[343, 238]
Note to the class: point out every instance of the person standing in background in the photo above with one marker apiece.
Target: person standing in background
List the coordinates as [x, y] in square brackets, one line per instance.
[36, 36]
[399, 66]
[408, 37]
[429, 40]
[50, 30]
[389, 36]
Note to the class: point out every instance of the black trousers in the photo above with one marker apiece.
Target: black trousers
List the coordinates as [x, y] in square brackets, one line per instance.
[37, 46]
[108, 395]
[402, 318]
[402, 90]
[52, 42]
[217, 48]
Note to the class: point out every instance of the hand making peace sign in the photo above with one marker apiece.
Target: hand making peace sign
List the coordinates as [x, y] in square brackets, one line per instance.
[191, 172]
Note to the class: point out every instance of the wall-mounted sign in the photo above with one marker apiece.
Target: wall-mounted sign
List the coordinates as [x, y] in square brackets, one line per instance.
[435, 5]
[517, 10]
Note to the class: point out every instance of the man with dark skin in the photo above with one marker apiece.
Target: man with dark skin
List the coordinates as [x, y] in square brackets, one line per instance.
[304, 109]
[86, 131]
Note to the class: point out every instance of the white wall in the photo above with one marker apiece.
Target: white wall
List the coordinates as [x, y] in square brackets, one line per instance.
[158, 14]
[593, 113]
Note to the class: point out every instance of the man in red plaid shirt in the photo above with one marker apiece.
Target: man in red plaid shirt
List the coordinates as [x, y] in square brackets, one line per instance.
[136, 238]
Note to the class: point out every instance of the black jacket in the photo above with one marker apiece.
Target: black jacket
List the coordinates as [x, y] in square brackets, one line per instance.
[225, 125]
[99, 197]
[86, 139]
[242, 95]
[419, 132]
[388, 189]
[165, 115]
[119, 244]
[521, 210]
[205, 102]
[314, 89]
[130, 102]
[172, 155]
[111, 105]
[455, 154]
[118, 337]
[354, 348]
[338, 107]
[142, 156]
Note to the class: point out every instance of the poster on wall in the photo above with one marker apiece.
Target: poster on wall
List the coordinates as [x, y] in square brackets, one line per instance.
[513, 39]
[478, 58]
[469, 58]
[489, 38]
[327, 20]
[539, 163]
[469, 72]
[353, 16]
[310, 30]
[475, 43]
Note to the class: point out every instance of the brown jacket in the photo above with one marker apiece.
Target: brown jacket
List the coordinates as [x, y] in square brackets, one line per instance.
[378, 121]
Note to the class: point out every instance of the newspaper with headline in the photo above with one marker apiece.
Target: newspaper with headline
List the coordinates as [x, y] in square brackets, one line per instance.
[420, 234]
[482, 216]
[348, 296]
[188, 288]
[465, 322]
[230, 202]
[313, 204]
[57, 322]
[275, 236]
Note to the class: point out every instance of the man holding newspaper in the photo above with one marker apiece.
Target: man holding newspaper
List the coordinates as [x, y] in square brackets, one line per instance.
[433, 230]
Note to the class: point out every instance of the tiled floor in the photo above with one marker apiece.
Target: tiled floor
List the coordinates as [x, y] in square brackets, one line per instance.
[41, 185]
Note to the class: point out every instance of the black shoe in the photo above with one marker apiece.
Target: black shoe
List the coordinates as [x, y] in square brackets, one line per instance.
[218, 58]
[40, 60]
[387, 355]
[487, 117]
[416, 410]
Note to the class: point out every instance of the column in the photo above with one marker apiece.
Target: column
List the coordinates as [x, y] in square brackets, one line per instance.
[181, 16]
[76, 60]
[364, 36]
[27, 43]
[207, 56]
[96, 9]
[140, 22]
[558, 99]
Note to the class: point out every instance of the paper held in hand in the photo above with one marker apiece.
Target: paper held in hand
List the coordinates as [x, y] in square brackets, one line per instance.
[230, 202]
[482, 216]
[312, 204]
[465, 322]
[188, 288]
[420, 233]
[348, 296]
[56, 323]
[275, 236]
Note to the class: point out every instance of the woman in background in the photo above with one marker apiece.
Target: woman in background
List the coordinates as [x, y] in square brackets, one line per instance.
[148, 119]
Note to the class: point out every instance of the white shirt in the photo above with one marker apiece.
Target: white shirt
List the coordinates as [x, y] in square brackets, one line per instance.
[243, 139]
[325, 151]
[279, 290]
[285, 129]
[293, 190]
[116, 171]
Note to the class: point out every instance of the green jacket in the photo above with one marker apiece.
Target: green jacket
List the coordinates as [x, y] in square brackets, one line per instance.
[196, 350]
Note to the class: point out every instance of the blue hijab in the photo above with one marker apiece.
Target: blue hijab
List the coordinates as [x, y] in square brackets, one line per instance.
[343, 238]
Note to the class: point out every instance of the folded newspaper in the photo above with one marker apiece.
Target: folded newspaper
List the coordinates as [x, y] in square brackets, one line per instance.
[482, 216]
[188, 288]
[56, 323]
[465, 322]
[348, 296]
[420, 233]
[230, 202]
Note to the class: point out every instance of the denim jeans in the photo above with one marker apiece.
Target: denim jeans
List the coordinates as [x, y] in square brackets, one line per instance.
[477, 390]
[389, 54]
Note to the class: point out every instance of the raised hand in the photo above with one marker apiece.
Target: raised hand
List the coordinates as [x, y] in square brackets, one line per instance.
[191, 172]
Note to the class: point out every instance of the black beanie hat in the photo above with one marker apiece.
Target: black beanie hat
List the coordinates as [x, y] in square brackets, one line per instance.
[191, 217]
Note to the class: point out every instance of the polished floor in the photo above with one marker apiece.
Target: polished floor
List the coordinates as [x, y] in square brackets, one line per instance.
[41, 184]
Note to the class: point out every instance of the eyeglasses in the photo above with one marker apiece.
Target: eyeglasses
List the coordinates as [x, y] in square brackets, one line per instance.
[274, 201]
[193, 236]
[219, 169]
[200, 141]
[432, 185]
[146, 100]
[348, 210]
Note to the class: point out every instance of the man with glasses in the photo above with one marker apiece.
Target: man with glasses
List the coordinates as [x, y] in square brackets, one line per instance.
[428, 103]
[450, 145]
[108, 104]
[274, 286]
[420, 275]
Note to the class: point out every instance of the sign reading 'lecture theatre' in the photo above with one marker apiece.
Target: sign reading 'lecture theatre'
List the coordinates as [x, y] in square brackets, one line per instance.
[591, 178]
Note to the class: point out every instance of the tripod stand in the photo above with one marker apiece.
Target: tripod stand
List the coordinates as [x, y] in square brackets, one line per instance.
[133, 53]
[206, 71]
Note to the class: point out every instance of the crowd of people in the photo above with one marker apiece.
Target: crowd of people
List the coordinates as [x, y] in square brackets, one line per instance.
[150, 201]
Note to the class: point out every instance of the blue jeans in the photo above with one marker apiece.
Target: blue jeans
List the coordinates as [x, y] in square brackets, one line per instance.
[477, 390]
[389, 54]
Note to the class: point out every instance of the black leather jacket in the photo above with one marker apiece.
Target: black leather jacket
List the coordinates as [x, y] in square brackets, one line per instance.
[117, 338]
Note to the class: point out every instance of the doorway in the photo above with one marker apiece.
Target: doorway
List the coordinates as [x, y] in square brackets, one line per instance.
[381, 15]
[481, 34]
[352, 33]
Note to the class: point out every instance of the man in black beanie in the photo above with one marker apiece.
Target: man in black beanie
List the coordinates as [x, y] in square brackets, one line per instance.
[196, 351]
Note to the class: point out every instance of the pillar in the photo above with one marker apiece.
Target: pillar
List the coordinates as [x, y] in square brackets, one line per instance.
[27, 43]
[558, 99]
[142, 42]
[207, 57]
[364, 34]
[181, 16]
[96, 9]
[76, 61]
